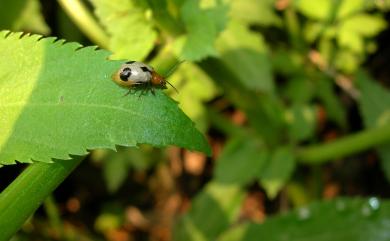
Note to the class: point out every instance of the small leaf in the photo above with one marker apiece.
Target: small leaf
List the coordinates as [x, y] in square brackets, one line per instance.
[57, 100]
[202, 26]
[277, 171]
[337, 220]
[241, 47]
[132, 35]
[240, 162]
[212, 211]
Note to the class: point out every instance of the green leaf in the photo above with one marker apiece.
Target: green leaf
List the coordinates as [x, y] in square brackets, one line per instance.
[10, 13]
[333, 106]
[57, 99]
[132, 35]
[301, 121]
[366, 25]
[319, 10]
[241, 47]
[212, 211]
[374, 106]
[202, 27]
[240, 162]
[196, 87]
[277, 171]
[260, 12]
[337, 220]
[31, 19]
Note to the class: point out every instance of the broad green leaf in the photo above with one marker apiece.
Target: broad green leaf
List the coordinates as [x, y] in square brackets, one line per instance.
[299, 89]
[57, 99]
[240, 162]
[212, 211]
[260, 12]
[337, 220]
[196, 87]
[277, 171]
[202, 27]
[132, 34]
[245, 53]
[374, 106]
[350, 40]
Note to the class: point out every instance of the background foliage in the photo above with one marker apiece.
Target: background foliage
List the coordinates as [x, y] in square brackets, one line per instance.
[291, 94]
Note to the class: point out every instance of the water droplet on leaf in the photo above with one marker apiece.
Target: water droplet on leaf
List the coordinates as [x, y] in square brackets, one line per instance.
[304, 213]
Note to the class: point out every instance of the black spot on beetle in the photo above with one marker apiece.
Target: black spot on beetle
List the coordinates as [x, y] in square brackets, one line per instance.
[130, 62]
[125, 74]
[146, 69]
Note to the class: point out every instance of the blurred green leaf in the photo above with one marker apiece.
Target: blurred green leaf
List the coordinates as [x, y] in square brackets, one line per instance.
[195, 87]
[50, 113]
[337, 220]
[213, 210]
[277, 171]
[260, 12]
[367, 25]
[347, 61]
[301, 121]
[374, 106]
[335, 110]
[202, 27]
[299, 89]
[240, 162]
[319, 10]
[31, 19]
[117, 164]
[10, 13]
[132, 34]
[245, 53]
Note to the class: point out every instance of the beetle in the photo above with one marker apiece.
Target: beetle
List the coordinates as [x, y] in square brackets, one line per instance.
[134, 74]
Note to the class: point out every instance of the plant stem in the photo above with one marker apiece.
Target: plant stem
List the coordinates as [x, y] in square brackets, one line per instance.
[26, 193]
[85, 21]
[345, 146]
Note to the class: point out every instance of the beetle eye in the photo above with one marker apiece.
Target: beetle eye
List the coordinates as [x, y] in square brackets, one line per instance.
[125, 74]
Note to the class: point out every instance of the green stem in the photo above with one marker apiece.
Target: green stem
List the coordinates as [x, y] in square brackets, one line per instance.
[85, 21]
[293, 28]
[345, 146]
[24, 195]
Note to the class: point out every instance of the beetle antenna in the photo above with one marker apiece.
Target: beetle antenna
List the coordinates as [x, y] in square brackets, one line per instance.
[170, 72]
[172, 86]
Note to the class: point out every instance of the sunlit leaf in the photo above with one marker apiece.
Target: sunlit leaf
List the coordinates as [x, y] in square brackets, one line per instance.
[57, 99]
